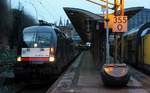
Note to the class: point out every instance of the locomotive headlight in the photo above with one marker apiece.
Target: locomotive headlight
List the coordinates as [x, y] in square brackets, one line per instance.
[19, 59]
[52, 50]
[51, 59]
[35, 45]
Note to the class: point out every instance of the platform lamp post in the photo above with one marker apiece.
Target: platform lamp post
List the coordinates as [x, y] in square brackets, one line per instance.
[107, 35]
[121, 5]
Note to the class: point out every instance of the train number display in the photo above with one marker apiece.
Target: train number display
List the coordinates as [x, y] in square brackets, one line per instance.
[120, 24]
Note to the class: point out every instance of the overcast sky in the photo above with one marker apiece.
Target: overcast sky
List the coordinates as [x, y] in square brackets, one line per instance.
[52, 10]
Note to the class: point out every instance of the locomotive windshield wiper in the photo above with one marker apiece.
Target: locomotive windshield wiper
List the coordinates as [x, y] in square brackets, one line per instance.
[34, 39]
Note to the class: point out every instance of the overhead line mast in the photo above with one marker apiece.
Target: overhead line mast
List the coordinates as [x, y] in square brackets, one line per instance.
[109, 69]
[115, 7]
[99, 4]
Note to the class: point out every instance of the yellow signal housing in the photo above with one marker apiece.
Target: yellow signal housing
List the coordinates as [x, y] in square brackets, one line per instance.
[110, 23]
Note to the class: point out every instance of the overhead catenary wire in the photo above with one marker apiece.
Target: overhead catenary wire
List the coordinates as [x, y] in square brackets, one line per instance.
[52, 6]
[37, 15]
[48, 12]
[37, 8]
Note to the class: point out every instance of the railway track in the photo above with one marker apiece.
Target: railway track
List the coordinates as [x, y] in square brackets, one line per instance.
[33, 89]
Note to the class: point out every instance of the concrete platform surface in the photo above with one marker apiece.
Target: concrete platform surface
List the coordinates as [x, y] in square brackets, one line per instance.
[84, 77]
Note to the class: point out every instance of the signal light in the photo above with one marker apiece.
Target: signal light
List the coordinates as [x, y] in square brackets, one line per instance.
[19, 59]
[51, 59]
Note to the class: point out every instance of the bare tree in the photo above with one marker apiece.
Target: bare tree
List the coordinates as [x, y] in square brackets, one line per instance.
[5, 24]
[20, 21]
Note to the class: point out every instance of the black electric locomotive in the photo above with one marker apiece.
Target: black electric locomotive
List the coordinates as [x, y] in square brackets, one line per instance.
[43, 52]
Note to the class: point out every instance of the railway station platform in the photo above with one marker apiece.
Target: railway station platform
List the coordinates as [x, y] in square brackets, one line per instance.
[84, 77]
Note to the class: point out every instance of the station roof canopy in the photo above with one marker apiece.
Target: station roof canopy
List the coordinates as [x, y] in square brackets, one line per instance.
[78, 18]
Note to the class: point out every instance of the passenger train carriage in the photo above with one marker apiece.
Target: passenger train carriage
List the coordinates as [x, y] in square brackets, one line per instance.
[137, 47]
[43, 51]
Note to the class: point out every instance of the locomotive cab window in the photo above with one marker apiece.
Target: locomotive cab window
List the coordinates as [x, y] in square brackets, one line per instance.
[39, 38]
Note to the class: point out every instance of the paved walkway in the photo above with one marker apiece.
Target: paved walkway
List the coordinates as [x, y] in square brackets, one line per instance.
[85, 78]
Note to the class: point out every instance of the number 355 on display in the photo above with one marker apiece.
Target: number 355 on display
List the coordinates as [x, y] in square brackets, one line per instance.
[120, 24]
